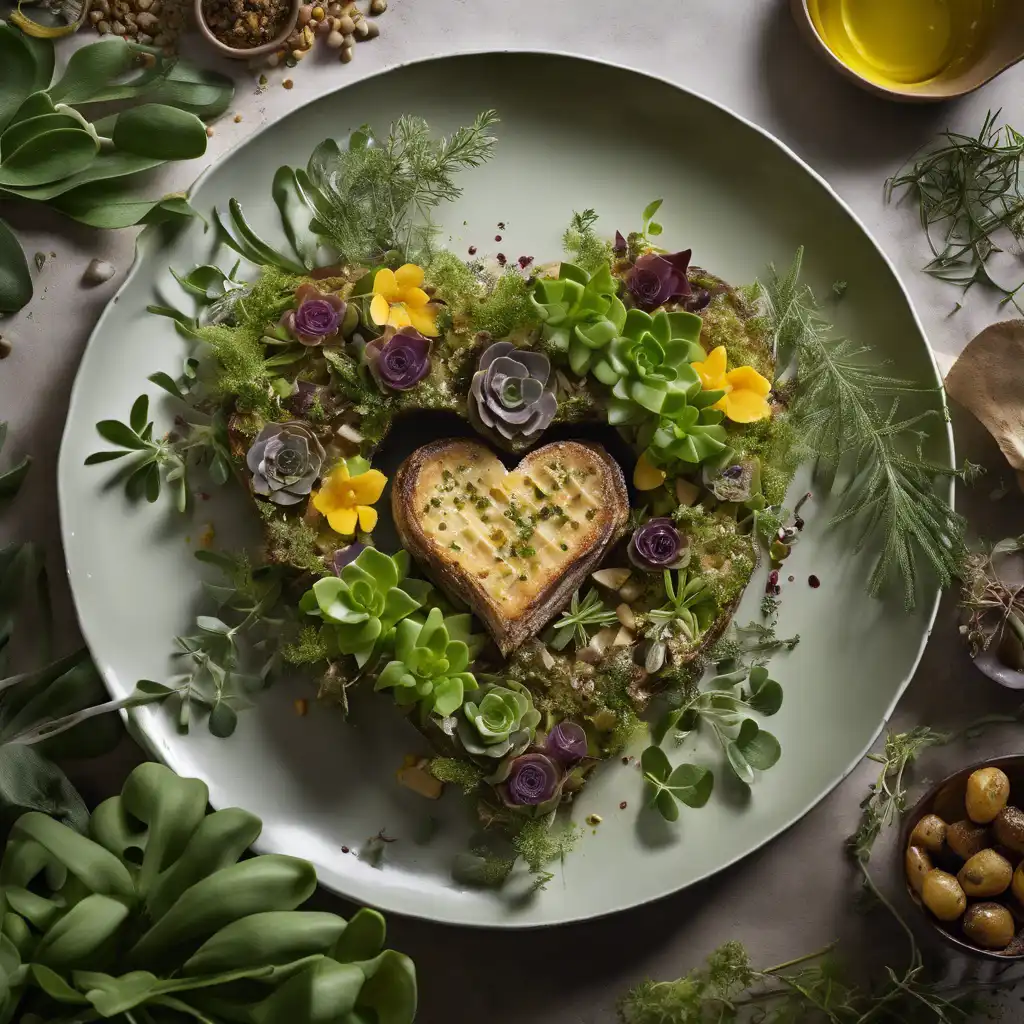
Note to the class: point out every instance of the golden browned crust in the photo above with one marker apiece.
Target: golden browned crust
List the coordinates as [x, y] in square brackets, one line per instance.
[532, 606]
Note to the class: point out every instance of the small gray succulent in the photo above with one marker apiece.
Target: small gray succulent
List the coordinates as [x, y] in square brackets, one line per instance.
[509, 399]
[285, 461]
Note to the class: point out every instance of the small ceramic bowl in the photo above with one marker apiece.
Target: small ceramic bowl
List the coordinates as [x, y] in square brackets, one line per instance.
[245, 53]
[1005, 48]
[946, 799]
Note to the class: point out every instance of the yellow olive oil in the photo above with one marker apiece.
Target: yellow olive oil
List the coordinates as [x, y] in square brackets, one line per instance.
[905, 42]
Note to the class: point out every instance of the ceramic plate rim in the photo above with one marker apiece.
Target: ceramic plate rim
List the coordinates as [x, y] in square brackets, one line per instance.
[148, 234]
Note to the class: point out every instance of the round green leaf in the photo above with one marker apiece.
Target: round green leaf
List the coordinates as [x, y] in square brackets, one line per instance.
[667, 806]
[363, 939]
[691, 784]
[48, 157]
[160, 131]
[223, 720]
[390, 988]
[738, 763]
[15, 279]
[655, 762]
[768, 699]
[760, 749]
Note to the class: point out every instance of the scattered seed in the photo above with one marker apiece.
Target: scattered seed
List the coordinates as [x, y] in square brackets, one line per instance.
[238, 118]
[372, 30]
[97, 272]
[625, 760]
[347, 53]
[472, 250]
[622, 806]
[814, 582]
[288, 83]
[501, 259]
[344, 849]
[497, 238]
[209, 133]
[378, 6]
[594, 819]
[301, 706]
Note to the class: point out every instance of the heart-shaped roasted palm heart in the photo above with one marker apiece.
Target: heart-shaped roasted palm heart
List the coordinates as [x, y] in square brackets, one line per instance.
[513, 545]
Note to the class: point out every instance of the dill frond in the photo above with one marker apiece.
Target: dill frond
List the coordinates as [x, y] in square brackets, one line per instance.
[507, 308]
[308, 648]
[582, 244]
[291, 540]
[376, 197]
[539, 843]
[892, 488]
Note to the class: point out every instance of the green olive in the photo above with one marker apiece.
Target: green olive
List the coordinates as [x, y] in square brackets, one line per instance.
[989, 925]
[917, 864]
[1008, 828]
[942, 895]
[987, 873]
[929, 833]
[966, 839]
[988, 790]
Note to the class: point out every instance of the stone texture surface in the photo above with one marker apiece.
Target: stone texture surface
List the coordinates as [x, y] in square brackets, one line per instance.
[798, 893]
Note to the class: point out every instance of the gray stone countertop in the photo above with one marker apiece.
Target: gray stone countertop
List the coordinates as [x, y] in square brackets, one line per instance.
[798, 893]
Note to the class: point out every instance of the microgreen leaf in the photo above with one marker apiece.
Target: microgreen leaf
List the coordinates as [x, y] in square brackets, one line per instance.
[738, 762]
[120, 433]
[651, 209]
[760, 749]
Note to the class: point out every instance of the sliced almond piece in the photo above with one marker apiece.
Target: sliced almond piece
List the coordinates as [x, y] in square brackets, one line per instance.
[623, 638]
[625, 615]
[687, 492]
[613, 579]
[420, 781]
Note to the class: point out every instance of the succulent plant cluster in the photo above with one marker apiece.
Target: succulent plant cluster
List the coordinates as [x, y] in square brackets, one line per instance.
[155, 915]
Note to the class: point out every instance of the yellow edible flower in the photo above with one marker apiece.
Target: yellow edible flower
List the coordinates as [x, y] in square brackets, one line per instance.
[746, 391]
[399, 301]
[346, 499]
[646, 477]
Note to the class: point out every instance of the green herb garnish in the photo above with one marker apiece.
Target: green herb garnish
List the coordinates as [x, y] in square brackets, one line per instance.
[580, 620]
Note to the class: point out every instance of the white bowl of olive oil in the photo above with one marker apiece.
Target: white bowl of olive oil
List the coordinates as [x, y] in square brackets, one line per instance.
[916, 50]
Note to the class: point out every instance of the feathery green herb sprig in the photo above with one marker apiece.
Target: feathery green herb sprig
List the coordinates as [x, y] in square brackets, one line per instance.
[580, 620]
[892, 489]
[967, 191]
[375, 197]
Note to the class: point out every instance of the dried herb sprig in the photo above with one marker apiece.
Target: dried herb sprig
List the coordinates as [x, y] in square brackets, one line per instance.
[891, 492]
[992, 605]
[967, 191]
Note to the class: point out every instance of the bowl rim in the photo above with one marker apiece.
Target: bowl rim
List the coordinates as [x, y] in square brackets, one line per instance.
[238, 53]
[910, 820]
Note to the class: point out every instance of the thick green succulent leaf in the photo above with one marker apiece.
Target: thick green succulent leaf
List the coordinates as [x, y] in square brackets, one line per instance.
[112, 996]
[18, 73]
[92, 67]
[172, 807]
[219, 841]
[390, 988]
[295, 216]
[81, 933]
[18, 133]
[39, 911]
[29, 782]
[110, 204]
[160, 131]
[275, 937]
[362, 939]
[34, 105]
[99, 869]
[322, 994]
[47, 157]
[448, 695]
[270, 882]
[55, 986]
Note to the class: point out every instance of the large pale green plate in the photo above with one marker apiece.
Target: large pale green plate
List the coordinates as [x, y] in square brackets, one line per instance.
[574, 134]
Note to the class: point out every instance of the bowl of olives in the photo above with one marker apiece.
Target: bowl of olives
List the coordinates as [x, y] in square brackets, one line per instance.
[963, 857]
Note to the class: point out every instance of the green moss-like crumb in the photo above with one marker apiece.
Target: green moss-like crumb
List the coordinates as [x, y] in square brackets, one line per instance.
[457, 772]
[307, 649]
[578, 408]
[376, 411]
[614, 677]
[508, 307]
[776, 443]
[291, 540]
[582, 244]
[241, 372]
[627, 725]
[539, 843]
[455, 282]
[723, 325]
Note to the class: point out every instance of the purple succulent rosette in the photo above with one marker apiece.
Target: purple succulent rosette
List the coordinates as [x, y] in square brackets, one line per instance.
[658, 545]
[532, 779]
[399, 361]
[567, 743]
[509, 399]
[317, 316]
[285, 460]
[655, 279]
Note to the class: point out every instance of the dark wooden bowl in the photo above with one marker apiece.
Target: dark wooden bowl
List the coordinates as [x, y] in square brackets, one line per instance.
[947, 800]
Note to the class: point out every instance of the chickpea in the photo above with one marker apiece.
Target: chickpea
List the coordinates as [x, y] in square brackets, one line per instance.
[987, 873]
[988, 790]
[1008, 828]
[966, 839]
[917, 864]
[942, 895]
[929, 833]
[989, 925]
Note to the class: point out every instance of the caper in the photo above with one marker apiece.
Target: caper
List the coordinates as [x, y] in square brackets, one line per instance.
[966, 839]
[917, 864]
[929, 833]
[989, 925]
[988, 790]
[987, 873]
[1008, 828]
[942, 895]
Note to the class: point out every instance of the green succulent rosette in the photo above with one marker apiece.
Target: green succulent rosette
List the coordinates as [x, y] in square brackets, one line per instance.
[498, 725]
[694, 435]
[647, 366]
[430, 663]
[361, 607]
[580, 314]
